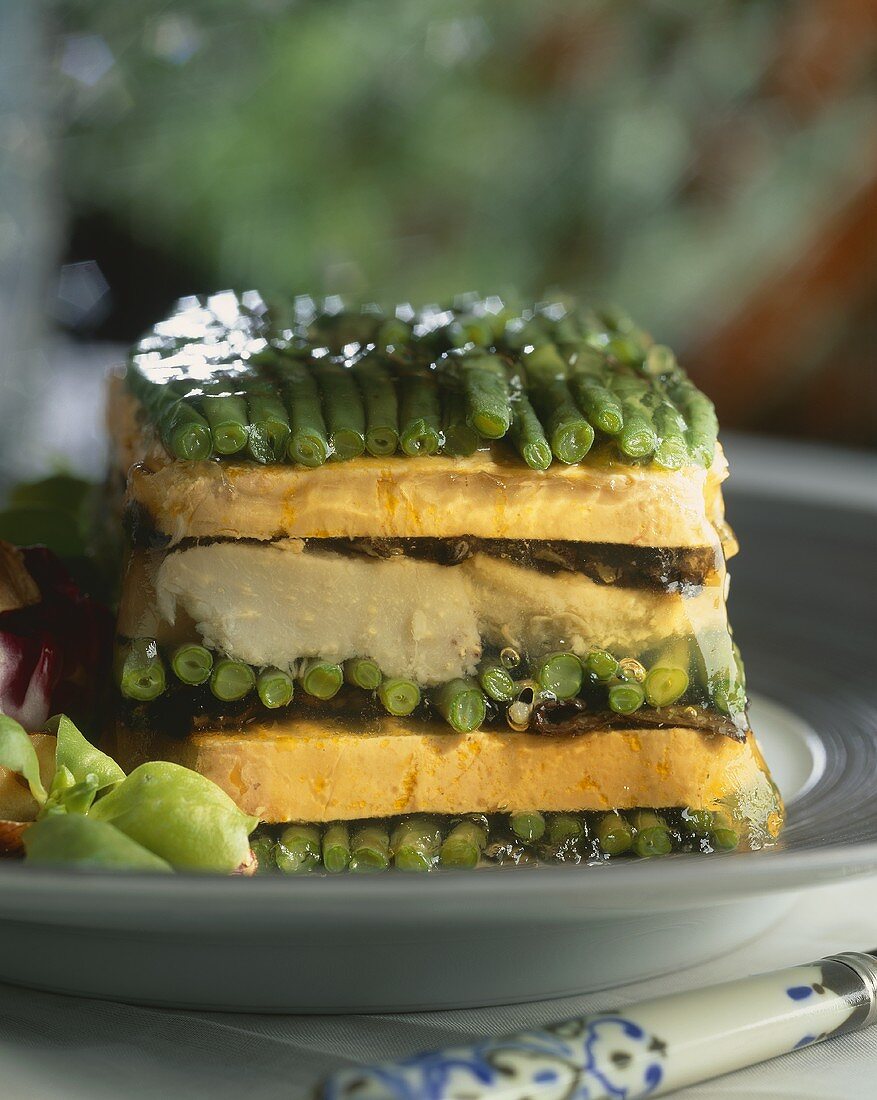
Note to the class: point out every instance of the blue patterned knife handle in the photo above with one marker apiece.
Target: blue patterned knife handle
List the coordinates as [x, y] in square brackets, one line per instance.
[648, 1049]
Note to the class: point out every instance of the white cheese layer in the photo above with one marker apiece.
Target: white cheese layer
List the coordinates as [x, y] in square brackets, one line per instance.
[538, 612]
[273, 604]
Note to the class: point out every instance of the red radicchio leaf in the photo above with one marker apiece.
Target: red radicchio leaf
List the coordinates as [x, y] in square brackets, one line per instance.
[29, 672]
[52, 653]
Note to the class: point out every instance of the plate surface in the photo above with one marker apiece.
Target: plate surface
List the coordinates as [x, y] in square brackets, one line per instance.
[803, 607]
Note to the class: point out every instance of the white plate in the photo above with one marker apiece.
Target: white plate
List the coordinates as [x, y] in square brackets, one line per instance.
[803, 608]
[399, 942]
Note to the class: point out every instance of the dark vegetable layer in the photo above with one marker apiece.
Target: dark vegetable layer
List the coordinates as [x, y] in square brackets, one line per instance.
[666, 568]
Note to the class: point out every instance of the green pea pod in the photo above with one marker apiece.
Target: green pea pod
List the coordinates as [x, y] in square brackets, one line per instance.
[80, 756]
[78, 841]
[18, 755]
[180, 815]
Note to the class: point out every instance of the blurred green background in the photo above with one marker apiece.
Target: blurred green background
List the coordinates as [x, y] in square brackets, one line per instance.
[711, 167]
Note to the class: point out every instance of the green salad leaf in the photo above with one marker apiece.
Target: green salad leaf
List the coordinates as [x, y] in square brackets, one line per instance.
[18, 755]
[80, 756]
[161, 817]
[75, 840]
[180, 815]
[67, 796]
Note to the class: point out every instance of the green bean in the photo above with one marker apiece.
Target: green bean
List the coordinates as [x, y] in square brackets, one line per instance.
[700, 417]
[461, 704]
[561, 674]
[486, 390]
[566, 333]
[615, 319]
[231, 680]
[343, 411]
[141, 672]
[299, 849]
[269, 423]
[601, 665]
[544, 363]
[496, 683]
[626, 348]
[415, 844]
[468, 329]
[660, 360]
[528, 435]
[498, 322]
[597, 402]
[226, 413]
[275, 688]
[460, 438]
[334, 329]
[399, 696]
[565, 829]
[724, 834]
[665, 685]
[625, 698]
[192, 663]
[528, 825]
[651, 834]
[727, 693]
[308, 444]
[322, 679]
[569, 434]
[419, 414]
[336, 848]
[631, 670]
[463, 845]
[362, 673]
[529, 334]
[370, 849]
[614, 834]
[393, 333]
[262, 848]
[672, 450]
[725, 839]
[183, 431]
[381, 407]
[696, 822]
[637, 438]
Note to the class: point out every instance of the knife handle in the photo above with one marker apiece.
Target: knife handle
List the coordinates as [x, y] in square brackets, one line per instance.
[645, 1050]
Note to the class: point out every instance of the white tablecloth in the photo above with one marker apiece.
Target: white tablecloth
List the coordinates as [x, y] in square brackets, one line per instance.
[77, 1049]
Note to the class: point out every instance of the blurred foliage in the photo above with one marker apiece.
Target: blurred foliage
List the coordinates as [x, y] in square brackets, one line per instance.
[659, 154]
[415, 149]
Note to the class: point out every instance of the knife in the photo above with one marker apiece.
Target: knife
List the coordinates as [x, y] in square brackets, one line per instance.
[648, 1049]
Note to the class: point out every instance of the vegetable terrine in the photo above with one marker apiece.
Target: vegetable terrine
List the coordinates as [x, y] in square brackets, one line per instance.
[432, 587]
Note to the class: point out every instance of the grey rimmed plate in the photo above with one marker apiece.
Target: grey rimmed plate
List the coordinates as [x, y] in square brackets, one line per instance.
[804, 609]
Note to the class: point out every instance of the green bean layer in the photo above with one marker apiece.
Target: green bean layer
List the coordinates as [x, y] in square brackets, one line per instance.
[422, 843]
[331, 382]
